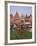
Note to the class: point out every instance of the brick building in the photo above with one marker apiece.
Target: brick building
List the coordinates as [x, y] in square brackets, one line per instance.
[20, 20]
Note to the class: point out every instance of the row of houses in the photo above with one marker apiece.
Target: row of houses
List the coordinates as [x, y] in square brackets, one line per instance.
[17, 19]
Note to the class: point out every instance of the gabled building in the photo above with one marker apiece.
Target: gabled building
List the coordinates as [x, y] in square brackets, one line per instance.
[17, 18]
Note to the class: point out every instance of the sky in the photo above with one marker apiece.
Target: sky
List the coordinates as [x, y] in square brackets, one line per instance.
[21, 9]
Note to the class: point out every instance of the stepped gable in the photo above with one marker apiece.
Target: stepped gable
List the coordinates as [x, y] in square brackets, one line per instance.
[16, 17]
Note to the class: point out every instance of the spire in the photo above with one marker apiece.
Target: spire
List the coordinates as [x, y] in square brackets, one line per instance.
[17, 14]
